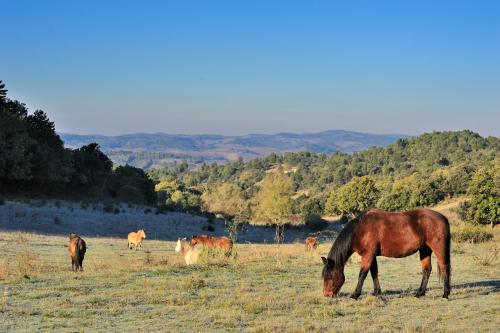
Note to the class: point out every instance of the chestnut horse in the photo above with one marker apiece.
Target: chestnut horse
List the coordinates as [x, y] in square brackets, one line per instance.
[311, 243]
[209, 241]
[395, 235]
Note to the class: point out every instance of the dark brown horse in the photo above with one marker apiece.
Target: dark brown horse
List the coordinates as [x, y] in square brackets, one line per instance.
[77, 249]
[395, 235]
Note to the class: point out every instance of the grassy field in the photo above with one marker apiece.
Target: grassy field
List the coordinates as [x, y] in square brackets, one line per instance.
[122, 290]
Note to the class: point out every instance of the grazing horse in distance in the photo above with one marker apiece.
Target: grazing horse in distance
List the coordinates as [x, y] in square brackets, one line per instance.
[395, 235]
[77, 249]
[311, 243]
[135, 239]
[216, 242]
[187, 250]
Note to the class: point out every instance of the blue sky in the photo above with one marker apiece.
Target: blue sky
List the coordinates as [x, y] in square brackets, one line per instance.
[237, 67]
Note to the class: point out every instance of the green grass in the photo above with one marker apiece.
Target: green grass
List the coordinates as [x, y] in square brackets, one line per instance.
[123, 290]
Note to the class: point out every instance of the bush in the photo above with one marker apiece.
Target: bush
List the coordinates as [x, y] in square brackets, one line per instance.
[213, 256]
[208, 227]
[108, 206]
[484, 207]
[130, 194]
[471, 234]
[359, 194]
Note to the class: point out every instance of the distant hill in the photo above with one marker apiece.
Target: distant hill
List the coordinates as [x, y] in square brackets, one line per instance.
[160, 149]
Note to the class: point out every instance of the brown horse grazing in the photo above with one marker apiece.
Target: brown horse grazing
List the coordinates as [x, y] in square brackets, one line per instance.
[395, 235]
[208, 241]
[77, 249]
[311, 243]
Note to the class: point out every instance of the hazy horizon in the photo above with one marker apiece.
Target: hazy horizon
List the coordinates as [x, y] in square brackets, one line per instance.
[257, 67]
[243, 134]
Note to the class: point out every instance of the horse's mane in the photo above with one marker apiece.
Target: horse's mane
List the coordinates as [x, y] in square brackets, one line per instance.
[342, 247]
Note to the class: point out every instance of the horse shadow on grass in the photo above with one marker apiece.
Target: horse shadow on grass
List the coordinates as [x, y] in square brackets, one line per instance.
[487, 287]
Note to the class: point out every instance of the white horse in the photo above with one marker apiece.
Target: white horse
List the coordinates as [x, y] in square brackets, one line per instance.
[188, 251]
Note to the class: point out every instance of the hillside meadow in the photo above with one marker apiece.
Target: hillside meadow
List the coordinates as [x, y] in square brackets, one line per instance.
[260, 290]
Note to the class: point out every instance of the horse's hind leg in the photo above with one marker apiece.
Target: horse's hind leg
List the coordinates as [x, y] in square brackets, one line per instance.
[80, 263]
[374, 273]
[425, 262]
[444, 270]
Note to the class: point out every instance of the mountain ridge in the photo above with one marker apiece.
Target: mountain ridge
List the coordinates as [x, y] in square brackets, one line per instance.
[154, 150]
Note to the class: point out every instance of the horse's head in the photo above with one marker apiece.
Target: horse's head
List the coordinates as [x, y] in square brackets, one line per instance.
[333, 277]
[142, 233]
[178, 246]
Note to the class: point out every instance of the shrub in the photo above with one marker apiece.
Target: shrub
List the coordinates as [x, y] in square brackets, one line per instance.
[108, 208]
[484, 207]
[163, 209]
[130, 194]
[213, 256]
[208, 227]
[470, 234]
[356, 196]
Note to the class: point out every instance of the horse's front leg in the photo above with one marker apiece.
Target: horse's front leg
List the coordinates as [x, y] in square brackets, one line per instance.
[366, 262]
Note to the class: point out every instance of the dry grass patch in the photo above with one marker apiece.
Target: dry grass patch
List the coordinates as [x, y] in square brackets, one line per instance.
[152, 289]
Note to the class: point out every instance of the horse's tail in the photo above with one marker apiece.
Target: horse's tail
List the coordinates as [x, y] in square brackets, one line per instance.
[447, 253]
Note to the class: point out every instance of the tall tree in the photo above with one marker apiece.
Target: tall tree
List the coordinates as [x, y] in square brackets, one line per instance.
[274, 203]
[227, 200]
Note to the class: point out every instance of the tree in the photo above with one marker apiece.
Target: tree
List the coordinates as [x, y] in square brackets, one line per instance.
[131, 184]
[93, 170]
[274, 203]
[227, 200]
[51, 162]
[484, 188]
[399, 197]
[354, 197]
[15, 162]
[3, 92]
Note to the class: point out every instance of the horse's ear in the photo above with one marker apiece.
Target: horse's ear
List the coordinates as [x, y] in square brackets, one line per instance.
[328, 261]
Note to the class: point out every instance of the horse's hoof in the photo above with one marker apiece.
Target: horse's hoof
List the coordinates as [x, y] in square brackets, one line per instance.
[377, 293]
[419, 294]
[354, 296]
